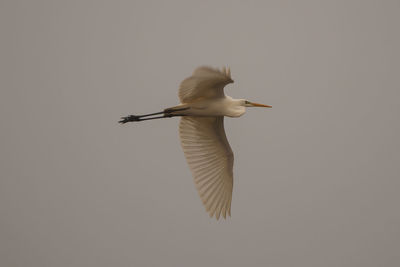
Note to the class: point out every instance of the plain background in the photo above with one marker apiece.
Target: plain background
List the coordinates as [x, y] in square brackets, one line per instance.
[316, 177]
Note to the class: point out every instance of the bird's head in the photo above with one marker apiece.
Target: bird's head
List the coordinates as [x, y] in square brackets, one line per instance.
[251, 104]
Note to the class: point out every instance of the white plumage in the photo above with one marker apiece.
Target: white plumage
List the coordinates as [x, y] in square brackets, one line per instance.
[210, 159]
[204, 142]
[202, 134]
[205, 82]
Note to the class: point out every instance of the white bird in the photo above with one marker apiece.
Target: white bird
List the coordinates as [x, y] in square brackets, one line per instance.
[207, 151]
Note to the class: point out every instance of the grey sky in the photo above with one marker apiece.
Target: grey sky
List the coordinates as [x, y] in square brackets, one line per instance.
[316, 176]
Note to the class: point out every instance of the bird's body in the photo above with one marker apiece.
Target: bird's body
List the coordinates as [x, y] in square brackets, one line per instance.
[224, 106]
[204, 143]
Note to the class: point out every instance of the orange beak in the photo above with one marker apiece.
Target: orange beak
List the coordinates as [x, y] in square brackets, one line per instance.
[260, 105]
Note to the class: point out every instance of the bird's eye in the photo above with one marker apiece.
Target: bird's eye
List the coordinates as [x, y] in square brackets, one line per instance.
[246, 102]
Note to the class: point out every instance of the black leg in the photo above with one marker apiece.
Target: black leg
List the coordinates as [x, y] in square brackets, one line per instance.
[129, 119]
[166, 114]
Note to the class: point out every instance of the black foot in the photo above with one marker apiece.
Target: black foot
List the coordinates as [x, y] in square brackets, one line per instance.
[129, 119]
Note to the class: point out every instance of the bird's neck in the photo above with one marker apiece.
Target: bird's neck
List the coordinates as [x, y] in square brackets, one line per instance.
[236, 107]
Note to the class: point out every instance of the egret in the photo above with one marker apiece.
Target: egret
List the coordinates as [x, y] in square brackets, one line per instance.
[202, 134]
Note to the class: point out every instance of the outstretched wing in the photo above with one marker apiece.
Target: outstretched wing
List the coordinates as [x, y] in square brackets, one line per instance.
[210, 159]
[205, 82]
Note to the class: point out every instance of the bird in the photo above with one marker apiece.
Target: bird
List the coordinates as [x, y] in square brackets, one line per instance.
[203, 106]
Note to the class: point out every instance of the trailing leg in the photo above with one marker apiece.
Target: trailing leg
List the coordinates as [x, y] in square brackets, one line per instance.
[167, 113]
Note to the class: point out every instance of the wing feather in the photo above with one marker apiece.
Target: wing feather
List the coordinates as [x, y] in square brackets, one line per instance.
[205, 82]
[218, 211]
[218, 200]
[210, 159]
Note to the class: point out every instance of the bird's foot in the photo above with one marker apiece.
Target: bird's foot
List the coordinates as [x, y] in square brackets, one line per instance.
[129, 119]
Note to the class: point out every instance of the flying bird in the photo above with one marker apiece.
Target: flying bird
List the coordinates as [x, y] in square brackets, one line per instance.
[202, 134]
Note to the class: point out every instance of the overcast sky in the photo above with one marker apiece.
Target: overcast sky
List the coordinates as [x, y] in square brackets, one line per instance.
[316, 178]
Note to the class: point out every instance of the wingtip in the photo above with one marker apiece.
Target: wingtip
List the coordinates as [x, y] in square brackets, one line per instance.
[226, 71]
